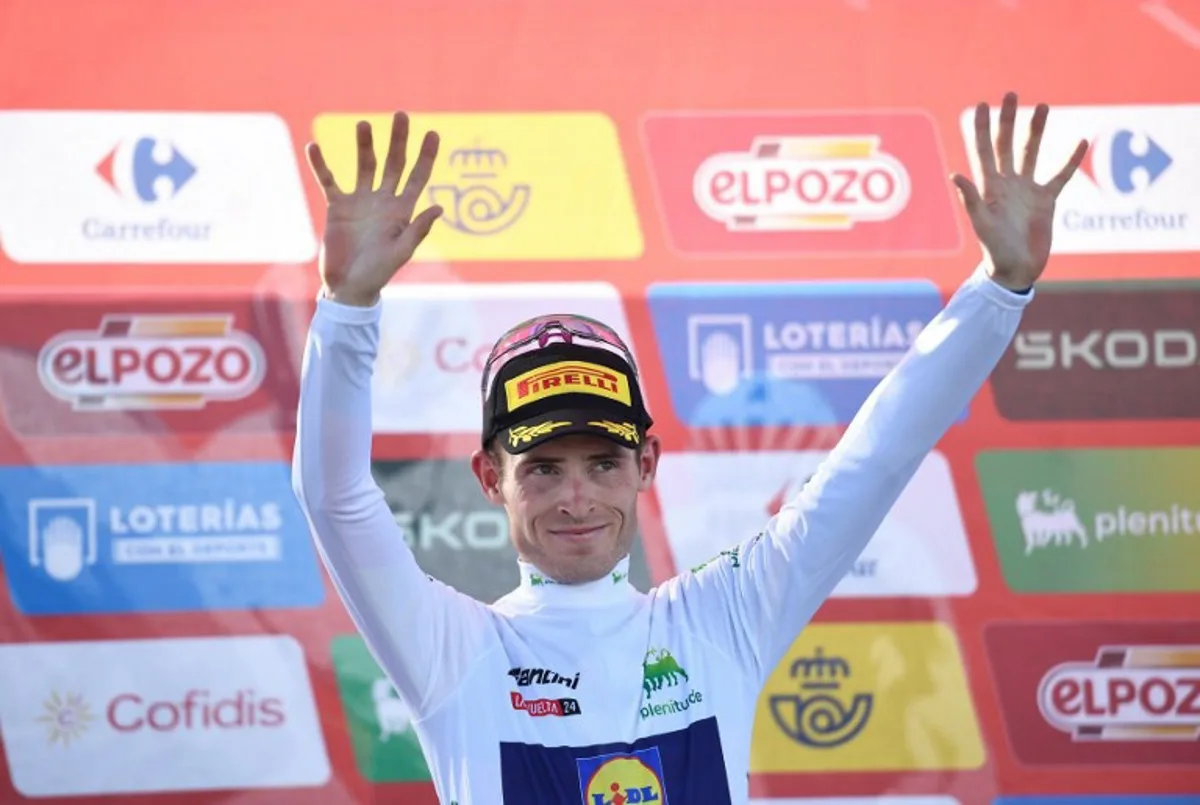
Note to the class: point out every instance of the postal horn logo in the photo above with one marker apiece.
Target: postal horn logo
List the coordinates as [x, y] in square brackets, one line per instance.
[1128, 693]
[821, 715]
[566, 377]
[152, 362]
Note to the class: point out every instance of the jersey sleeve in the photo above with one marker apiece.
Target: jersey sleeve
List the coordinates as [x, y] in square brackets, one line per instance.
[422, 632]
[753, 600]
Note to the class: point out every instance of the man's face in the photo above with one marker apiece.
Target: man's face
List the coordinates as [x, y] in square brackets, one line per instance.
[571, 501]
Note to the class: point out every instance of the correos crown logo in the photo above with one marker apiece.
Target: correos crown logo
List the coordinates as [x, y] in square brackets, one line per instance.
[821, 715]
[566, 377]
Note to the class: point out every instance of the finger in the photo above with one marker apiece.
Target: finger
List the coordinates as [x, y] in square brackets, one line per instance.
[983, 142]
[1004, 138]
[393, 163]
[969, 195]
[321, 172]
[1034, 143]
[416, 232]
[421, 172]
[1056, 185]
[366, 158]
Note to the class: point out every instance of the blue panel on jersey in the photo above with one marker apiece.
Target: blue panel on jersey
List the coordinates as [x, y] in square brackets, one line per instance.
[685, 767]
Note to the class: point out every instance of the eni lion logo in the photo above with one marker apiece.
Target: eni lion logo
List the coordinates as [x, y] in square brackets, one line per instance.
[658, 669]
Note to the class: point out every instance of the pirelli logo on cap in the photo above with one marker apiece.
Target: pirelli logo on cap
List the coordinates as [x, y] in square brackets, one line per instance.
[567, 377]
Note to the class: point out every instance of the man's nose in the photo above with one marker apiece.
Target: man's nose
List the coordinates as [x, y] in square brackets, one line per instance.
[577, 500]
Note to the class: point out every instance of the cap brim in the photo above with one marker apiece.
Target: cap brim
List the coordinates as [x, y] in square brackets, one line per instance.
[531, 432]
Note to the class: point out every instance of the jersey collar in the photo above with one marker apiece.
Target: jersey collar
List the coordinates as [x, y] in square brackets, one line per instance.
[613, 587]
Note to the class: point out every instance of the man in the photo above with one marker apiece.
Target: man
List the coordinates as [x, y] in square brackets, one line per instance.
[575, 687]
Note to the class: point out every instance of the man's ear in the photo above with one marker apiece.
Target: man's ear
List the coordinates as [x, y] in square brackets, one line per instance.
[488, 471]
[648, 462]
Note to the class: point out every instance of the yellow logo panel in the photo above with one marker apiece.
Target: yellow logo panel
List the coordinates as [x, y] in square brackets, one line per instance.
[566, 377]
[535, 186]
[868, 697]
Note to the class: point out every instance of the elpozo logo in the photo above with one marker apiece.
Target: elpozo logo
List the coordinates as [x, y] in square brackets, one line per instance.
[515, 186]
[783, 183]
[838, 701]
[152, 187]
[152, 362]
[566, 377]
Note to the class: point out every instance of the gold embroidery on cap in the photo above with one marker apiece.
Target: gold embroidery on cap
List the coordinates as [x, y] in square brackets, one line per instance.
[623, 429]
[524, 434]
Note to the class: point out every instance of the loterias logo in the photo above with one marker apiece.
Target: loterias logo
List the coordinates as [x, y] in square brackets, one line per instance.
[81, 364]
[155, 538]
[797, 353]
[1119, 693]
[842, 694]
[788, 183]
[386, 748]
[710, 500]
[456, 535]
[1094, 520]
[1103, 351]
[168, 714]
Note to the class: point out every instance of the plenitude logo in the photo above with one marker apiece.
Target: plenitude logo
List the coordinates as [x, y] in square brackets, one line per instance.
[1105, 520]
[386, 748]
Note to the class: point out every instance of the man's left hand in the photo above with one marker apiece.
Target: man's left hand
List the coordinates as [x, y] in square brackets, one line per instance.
[1014, 216]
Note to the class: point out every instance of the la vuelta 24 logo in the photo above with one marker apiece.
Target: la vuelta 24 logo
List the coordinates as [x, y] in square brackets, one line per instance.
[821, 715]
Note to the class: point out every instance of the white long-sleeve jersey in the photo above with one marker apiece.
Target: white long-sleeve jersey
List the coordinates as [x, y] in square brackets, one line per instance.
[600, 694]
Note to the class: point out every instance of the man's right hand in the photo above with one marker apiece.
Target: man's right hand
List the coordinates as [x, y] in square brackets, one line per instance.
[369, 233]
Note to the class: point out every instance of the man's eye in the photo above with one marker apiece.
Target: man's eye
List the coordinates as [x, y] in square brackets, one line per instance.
[541, 469]
[607, 464]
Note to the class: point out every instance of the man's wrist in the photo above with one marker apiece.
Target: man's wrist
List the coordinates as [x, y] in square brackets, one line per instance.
[348, 296]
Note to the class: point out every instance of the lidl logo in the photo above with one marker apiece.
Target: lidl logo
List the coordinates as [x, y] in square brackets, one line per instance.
[868, 697]
[380, 723]
[623, 778]
[566, 377]
[514, 186]
[1094, 520]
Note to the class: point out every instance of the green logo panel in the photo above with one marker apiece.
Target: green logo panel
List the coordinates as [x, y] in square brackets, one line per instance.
[1095, 520]
[385, 745]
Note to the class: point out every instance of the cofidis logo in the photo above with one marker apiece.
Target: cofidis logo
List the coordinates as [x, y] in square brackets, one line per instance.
[169, 714]
[155, 538]
[868, 697]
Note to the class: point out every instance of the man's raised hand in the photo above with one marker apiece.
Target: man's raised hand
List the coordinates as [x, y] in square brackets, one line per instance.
[1014, 216]
[369, 233]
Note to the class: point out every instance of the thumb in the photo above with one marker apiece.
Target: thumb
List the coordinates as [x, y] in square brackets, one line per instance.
[968, 193]
[416, 232]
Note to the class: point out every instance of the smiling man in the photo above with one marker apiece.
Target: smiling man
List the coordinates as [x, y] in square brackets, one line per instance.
[576, 687]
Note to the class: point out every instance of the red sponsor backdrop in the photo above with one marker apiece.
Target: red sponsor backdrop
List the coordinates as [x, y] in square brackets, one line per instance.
[631, 60]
